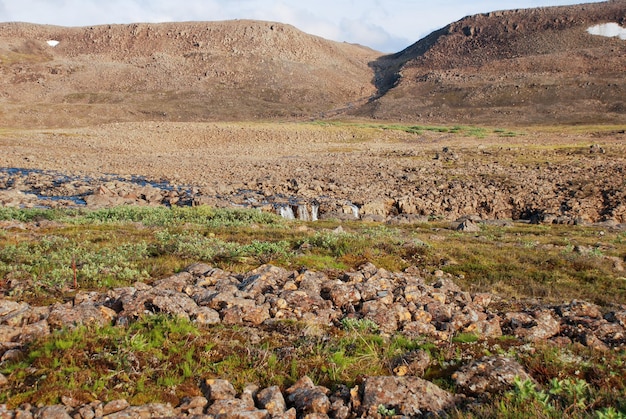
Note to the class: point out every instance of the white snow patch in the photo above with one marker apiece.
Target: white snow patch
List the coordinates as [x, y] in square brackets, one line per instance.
[52, 43]
[610, 30]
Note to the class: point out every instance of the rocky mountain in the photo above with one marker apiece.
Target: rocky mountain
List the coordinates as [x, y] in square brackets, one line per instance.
[519, 66]
[534, 66]
[55, 76]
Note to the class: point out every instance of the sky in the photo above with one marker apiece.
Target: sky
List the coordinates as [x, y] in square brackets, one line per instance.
[384, 25]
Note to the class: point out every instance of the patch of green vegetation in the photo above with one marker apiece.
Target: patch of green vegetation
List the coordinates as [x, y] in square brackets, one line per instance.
[384, 411]
[500, 260]
[158, 358]
[15, 57]
[359, 325]
[119, 246]
[469, 131]
[162, 359]
[571, 397]
[194, 246]
[465, 338]
[51, 261]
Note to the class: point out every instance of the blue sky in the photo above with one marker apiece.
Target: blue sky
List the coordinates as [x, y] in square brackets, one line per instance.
[385, 25]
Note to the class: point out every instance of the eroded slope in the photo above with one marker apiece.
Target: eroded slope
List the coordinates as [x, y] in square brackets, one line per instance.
[515, 67]
[174, 71]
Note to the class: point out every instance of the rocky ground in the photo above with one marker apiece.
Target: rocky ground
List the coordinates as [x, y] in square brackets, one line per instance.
[399, 303]
[306, 171]
[309, 170]
[119, 116]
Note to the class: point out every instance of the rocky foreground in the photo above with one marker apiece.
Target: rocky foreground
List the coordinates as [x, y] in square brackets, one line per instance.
[398, 303]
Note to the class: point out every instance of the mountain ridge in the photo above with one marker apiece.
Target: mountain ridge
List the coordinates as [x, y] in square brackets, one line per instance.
[463, 68]
[178, 71]
[514, 67]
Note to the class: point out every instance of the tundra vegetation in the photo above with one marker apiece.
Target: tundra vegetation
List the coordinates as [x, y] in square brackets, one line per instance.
[162, 359]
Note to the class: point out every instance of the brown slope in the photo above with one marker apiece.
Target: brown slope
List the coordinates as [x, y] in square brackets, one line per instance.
[174, 71]
[512, 67]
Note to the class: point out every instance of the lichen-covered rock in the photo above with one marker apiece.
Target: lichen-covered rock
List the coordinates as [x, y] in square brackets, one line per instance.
[409, 396]
[206, 316]
[611, 333]
[192, 406]
[580, 309]
[13, 313]
[85, 412]
[545, 327]
[617, 317]
[53, 412]
[85, 313]
[380, 314]
[485, 328]
[515, 320]
[308, 398]
[115, 406]
[9, 333]
[235, 409]
[253, 314]
[344, 295]
[489, 375]
[416, 329]
[218, 389]
[156, 300]
[34, 331]
[272, 400]
[176, 282]
[411, 363]
[151, 410]
[265, 278]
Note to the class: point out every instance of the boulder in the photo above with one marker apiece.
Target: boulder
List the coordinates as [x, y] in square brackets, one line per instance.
[545, 327]
[408, 396]
[115, 406]
[218, 389]
[192, 406]
[493, 374]
[235, 409]
[86, 313]
[151, 410]
[157, 300]
[53, 412]
[411, 363]
[468, 226]
[272, 400]
[308, 398]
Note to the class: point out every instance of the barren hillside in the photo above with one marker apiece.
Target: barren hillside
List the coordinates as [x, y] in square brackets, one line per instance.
[174, 71]
[533, 66]
[510, 67]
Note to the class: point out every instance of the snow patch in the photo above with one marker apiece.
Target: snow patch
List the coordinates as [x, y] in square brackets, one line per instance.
[52, 43]
[610, 30]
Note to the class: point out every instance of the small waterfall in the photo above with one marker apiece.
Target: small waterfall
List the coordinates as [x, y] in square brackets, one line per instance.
[314, 212]
[286, 212]
[355, 211]
[303, 213]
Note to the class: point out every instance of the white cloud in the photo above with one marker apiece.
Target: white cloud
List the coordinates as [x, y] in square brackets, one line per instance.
[370, 35]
